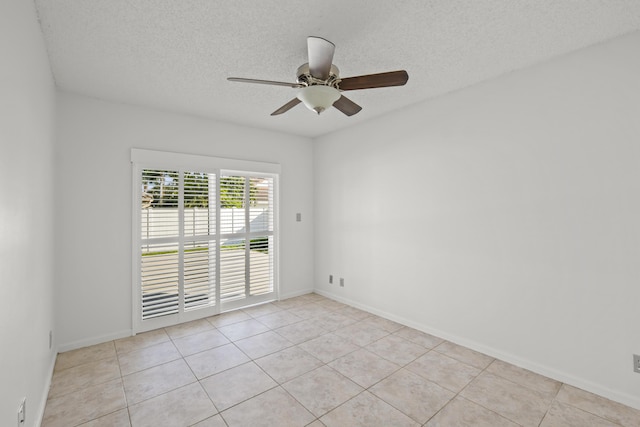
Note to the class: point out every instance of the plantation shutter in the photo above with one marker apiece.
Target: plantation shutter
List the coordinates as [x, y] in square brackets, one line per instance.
[232, 247]
[246, 250]
[199, 239]
[206, 239]
[261, 271]
[160, 243]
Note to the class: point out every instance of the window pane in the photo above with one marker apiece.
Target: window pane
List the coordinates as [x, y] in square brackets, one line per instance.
[159, 214]
[199, 215]
[232, 204]
[261, 199]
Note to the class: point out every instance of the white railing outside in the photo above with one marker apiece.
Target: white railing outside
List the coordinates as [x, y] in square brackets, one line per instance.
[163, 222]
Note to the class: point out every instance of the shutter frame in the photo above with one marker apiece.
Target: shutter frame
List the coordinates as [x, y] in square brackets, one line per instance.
[200, 233]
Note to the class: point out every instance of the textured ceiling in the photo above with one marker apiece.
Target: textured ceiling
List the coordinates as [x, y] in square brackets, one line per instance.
[176, 54]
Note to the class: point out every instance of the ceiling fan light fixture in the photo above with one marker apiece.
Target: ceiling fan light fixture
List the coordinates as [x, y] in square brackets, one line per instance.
[320, 83]
[318, 97]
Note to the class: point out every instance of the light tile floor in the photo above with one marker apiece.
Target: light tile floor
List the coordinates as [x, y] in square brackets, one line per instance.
[307, 361]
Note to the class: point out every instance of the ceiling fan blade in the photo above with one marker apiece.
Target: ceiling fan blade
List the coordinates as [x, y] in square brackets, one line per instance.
[320, 57]
[347, 106]
[370, 81]
[264, 82]
[286, 107]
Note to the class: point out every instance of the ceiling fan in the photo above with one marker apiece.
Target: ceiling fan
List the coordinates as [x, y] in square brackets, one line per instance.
[320, 83]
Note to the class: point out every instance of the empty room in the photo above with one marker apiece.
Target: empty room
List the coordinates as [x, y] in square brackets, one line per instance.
[356, 213]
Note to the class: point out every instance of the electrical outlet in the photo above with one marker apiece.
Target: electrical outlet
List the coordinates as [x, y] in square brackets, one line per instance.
[342, 282]
[299, 217]
[50, 339]
[330, 278]
[22, 412]
[636, 363]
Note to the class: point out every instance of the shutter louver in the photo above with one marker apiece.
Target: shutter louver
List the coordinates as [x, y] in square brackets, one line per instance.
[232, 269]
[199, 275]
[160, 275]
[261, 272]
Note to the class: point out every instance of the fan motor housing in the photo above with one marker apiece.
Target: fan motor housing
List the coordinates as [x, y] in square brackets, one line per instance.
[304, 77]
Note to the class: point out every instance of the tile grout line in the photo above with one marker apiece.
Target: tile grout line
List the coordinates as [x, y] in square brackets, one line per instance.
[172, 340]
[196, 377]
[278, 384]
[555, 399]
[326, 364]
[458, 394]
[183, 357]
[323, 311]
[126, 400]
[252, 360]
[297, 345]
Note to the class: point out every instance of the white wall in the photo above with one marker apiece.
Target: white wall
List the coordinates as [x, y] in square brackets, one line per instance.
[93, 171]
[505, 217]
[26, 225]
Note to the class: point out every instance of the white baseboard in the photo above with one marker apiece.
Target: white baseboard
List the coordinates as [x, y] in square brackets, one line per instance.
[45, 391]
[127, 333]
[296, 293]
[600, 390]
[94, 340]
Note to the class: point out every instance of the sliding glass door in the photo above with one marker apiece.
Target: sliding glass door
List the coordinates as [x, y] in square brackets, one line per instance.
[206, 243]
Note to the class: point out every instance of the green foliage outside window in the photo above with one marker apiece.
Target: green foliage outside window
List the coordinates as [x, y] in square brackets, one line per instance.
[160, 190]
